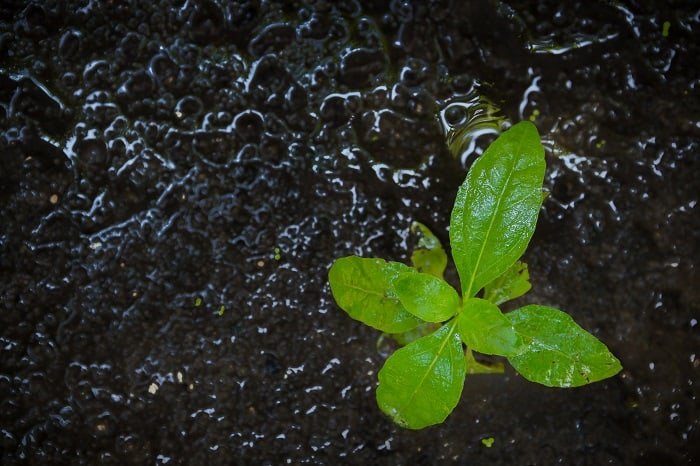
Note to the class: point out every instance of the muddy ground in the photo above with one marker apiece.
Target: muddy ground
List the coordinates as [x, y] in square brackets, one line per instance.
[177, 177]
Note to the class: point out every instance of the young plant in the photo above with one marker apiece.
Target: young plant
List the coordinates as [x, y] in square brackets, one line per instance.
[493, 219]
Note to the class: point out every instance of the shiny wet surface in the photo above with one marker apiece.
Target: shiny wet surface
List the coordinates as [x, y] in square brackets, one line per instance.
[176, 179]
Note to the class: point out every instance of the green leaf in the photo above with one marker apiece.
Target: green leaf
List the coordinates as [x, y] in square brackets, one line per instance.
[476, 367]
[429, 256]
[557, 352]
[362, 288]
[425, 296]
[485, 329]
[496, 208]
[488, 441]
[421, 383]
[511, 284]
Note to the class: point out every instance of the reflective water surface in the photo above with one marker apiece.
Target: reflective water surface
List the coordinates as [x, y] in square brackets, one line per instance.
[177, 177]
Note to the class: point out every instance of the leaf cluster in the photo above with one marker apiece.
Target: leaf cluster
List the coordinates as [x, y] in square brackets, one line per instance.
[492, 221]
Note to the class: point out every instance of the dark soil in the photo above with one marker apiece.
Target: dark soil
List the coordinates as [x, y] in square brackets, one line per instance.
[177, 177]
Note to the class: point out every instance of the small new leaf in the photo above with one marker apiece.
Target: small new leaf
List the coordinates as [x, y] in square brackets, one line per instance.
[363, 288]
[556, 351]
[425, 296]
[429, 256]
[421, 383]
[511, 284]
[485, 329]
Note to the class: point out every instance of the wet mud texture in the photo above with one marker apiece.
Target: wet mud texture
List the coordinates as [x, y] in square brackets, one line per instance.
[177, 177]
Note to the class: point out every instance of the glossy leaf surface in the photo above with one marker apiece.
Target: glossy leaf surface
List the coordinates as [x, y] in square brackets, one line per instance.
[429, 256]
[362, 287]
[425, 296]
[556, 351]
[511, 284]
[496, 207]
[485, 329]
[421, 383]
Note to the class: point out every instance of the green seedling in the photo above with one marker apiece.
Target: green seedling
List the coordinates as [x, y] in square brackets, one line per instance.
[492, 221]
[488, 441]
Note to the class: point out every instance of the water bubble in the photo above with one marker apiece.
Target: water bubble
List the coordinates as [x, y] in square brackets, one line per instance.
[131, 48]
[248, 126]
[204, 20]
[334, 110]
[70, 45]
[188, 107]
[97, 74]
[138, 85]
[34, 20]
[92, 152]
[359, 66]
[163, 68]
[272, 38]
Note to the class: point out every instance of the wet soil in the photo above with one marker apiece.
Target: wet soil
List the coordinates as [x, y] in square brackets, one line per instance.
[177, 177]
